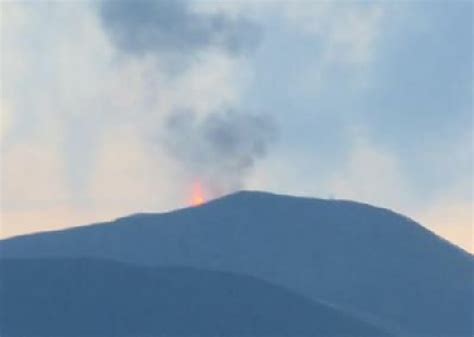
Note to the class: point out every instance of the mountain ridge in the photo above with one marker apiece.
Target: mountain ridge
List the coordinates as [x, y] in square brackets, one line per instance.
[104, 298]
[364, 259]
[236, 195]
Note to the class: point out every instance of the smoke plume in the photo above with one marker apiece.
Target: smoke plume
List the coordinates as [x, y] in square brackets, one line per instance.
[172, 26]
[219, 149]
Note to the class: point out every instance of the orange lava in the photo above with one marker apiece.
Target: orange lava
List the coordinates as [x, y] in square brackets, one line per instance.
[198, 195]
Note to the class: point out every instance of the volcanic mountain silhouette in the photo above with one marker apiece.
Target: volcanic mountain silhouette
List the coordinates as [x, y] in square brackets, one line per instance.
[85, 297]
[376, 264]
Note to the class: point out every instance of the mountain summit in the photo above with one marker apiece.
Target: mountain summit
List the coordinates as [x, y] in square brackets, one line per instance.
[370, 262]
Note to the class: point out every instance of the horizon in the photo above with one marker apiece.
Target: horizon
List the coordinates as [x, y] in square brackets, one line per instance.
[362, 101]
[233, 195]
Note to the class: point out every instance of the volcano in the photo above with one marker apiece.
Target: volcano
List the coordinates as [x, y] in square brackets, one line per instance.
[363, 262]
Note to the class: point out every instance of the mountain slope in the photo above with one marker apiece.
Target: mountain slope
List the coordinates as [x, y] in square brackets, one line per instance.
[368, 260]
[84, 297]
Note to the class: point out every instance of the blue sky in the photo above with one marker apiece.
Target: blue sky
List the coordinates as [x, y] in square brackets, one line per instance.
[106, 110]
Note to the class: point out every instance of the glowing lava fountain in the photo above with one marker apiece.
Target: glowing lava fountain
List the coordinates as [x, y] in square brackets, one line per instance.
[198, 195]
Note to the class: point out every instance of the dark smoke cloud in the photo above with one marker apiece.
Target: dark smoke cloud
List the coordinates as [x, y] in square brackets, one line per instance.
[220, 148]
[172, 26]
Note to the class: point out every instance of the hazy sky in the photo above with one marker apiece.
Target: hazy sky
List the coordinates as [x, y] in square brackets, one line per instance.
[114, 108]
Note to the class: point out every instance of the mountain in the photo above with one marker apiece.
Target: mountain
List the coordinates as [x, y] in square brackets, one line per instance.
[374, 263]
[90, 297]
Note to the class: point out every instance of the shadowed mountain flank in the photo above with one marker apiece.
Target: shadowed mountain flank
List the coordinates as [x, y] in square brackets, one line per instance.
[370, 261]
[84, 297]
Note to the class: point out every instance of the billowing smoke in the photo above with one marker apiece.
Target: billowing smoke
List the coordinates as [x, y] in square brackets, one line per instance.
[218, 149]
[172, 26]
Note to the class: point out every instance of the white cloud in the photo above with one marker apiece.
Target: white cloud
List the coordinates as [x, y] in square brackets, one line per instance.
[80, 90]
[371, 175]
[32, 180]
[348, 33]
[130, 176]
[214, 82]
[5, 118]
[32, 173]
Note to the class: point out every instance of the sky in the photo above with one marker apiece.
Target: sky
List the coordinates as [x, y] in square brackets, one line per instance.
[112, 108]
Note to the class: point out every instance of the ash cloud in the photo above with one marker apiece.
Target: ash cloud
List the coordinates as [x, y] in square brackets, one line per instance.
[219, 149]
[166, 26]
